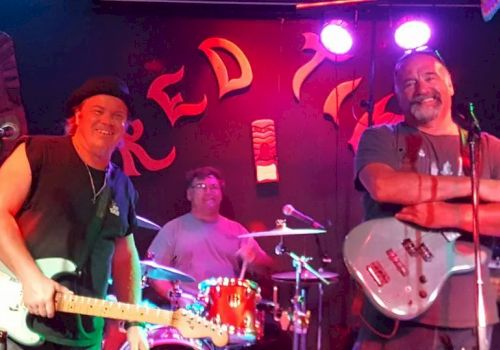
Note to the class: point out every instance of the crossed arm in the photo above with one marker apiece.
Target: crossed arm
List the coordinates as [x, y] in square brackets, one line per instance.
[423, 197]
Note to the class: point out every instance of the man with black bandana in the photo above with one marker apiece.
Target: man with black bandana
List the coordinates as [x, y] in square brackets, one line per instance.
[50, 189]
[415, 171]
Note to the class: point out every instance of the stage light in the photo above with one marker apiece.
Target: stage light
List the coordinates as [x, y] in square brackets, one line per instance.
[412, 33]
[336, 38]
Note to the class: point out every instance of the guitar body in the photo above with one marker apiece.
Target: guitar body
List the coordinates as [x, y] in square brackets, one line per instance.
[13, 313]
[401, 268]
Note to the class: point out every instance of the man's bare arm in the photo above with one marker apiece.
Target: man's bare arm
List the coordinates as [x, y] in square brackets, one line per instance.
[387, 185]
[126, 270]
[452, 215]
[15, 182]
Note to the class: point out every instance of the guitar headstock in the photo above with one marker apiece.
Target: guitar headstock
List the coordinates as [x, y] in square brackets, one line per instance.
[191, 325]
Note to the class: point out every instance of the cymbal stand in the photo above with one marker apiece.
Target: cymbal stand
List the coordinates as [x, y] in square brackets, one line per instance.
[300, 314]
[320, 316]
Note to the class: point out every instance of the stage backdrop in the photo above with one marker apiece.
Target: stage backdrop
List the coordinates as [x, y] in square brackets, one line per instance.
[199, 82]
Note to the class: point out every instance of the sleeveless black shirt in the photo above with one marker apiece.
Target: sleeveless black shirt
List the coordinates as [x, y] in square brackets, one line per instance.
[54, 219]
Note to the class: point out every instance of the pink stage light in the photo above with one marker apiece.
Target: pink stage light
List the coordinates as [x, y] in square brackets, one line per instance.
[336, 38]
[412, 34]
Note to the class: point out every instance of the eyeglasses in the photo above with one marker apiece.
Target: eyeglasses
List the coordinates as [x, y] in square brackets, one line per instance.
[203, 186]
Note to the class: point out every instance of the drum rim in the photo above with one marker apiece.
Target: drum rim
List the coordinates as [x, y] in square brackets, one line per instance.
[229, 282]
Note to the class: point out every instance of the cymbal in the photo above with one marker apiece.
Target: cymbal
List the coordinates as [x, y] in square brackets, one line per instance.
[305, 276]
[156, 271]
[146, 223]
[284, 231]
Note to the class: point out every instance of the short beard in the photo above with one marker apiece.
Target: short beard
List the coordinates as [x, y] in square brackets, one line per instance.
[424, 114]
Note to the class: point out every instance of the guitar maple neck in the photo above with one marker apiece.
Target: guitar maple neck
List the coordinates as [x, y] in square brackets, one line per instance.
[77, 304]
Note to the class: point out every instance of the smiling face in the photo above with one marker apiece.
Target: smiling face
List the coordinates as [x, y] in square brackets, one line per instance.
[424, 89]
[205, 195]
[101, 122]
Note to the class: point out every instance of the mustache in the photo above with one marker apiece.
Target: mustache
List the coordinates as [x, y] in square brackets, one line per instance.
[418, 99]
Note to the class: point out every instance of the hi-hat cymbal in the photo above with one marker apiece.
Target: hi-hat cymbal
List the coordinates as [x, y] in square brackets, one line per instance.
[156, 271]
[283, 231]
[305, 276]
[146, 223]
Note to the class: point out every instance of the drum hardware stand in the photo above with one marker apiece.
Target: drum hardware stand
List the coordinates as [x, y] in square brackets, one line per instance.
[281, 316]
[144, 277]
[144, 281]
[175, 294]
[320, 315]
[300, 315]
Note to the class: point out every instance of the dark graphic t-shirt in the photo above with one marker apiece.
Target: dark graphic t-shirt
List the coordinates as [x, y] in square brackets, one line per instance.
[404, 148]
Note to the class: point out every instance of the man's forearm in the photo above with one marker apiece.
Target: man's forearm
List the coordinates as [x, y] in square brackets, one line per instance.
[489, 218]
[126, 272]
[387, 185]
[412, 188]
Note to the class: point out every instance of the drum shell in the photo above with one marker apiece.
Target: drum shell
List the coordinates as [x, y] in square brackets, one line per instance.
[233, 302]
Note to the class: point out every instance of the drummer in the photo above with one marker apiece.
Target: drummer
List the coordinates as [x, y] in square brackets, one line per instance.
[203, 243]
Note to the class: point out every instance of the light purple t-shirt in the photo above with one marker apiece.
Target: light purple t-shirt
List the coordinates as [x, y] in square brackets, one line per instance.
[199, 248]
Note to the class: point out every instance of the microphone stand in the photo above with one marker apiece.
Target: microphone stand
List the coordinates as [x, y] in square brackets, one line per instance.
[300, 314]
[325, 260]
[473, 139]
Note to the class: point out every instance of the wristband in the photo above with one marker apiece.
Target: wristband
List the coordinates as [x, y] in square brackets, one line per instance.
[128, 324]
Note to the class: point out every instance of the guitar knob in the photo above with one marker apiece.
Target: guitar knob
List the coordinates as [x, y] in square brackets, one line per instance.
[422, 279]
[423, 294]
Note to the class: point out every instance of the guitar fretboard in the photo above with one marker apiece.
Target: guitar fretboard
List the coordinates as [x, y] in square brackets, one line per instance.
[77, 304]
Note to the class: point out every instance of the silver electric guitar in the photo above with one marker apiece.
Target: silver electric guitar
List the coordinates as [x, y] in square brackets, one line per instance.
[401, 268]
[13, 313]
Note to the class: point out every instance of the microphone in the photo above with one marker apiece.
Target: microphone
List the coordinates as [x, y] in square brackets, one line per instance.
[473, 117]
[9, 131]
[289, 210]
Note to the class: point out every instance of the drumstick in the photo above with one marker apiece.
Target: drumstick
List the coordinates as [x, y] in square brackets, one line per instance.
[243, 269]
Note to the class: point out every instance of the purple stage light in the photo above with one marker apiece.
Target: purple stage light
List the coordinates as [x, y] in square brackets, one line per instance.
[412, 34]
[336, 38]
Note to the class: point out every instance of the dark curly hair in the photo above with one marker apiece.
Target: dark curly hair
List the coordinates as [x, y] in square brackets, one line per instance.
[203, 173]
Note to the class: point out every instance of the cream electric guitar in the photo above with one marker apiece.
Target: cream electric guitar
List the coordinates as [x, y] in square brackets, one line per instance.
[402, 268]
[13, 314]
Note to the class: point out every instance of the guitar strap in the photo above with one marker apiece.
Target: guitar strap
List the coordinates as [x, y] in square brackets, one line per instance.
[95, 225]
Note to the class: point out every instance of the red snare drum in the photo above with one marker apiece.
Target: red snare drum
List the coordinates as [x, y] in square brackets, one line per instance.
[233, 302]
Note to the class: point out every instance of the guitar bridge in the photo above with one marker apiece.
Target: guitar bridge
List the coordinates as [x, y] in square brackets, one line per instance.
[377, 272]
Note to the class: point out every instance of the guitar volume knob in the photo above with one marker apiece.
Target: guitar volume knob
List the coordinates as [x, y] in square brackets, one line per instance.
[422, 293]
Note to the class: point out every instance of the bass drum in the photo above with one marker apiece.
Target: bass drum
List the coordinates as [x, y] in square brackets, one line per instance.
[169, 338]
